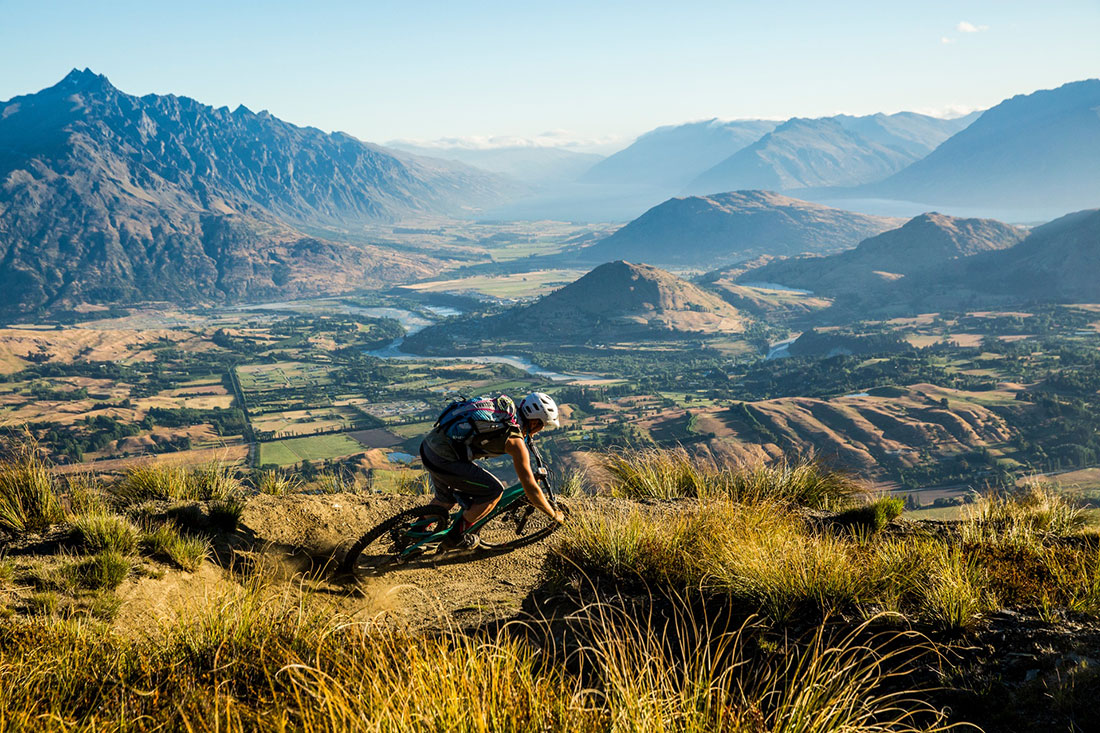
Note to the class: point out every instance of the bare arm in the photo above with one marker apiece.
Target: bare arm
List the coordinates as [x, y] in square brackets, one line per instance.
[521, 459]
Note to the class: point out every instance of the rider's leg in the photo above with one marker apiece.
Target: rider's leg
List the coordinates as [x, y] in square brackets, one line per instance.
[477, 511]
[482, 488]
[444, 498]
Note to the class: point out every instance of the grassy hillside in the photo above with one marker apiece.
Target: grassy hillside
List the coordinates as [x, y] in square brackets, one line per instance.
[682, 594]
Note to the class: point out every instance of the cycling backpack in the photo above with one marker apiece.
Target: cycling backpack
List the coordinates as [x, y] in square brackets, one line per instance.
[471, 423]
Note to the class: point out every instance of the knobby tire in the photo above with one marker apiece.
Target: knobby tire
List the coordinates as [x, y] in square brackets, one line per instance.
[381, 546]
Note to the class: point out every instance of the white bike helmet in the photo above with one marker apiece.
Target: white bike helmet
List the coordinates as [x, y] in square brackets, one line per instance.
[540, 406]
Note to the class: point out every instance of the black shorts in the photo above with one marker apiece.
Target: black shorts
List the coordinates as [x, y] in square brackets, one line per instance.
[463, 481]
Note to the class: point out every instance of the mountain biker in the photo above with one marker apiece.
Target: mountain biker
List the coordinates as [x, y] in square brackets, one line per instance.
[477, 428]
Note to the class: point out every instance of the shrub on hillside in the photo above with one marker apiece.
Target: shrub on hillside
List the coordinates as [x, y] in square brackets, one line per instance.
[28, 498]
[871, 517]
[656, 473]
[99, 531]
[164, 542]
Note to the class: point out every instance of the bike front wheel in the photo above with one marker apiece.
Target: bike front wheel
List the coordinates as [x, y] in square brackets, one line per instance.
[388, 543]
[517, 526]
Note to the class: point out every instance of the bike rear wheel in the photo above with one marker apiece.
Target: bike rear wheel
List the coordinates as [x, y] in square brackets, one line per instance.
[517, 526]
[383, 546]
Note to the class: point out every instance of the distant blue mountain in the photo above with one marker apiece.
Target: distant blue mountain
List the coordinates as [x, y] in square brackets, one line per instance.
[829, 151]
[1034, 150]
[727, 227]
[669, 157]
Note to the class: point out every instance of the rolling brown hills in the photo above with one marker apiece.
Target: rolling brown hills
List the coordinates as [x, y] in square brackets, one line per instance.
[862, 433]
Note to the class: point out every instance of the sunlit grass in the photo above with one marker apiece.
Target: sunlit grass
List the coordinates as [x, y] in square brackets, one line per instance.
[28, 497]
[101, 531]
[266, 660]
[213, 482]
[655, 473]
[164, 542]
[762, 557]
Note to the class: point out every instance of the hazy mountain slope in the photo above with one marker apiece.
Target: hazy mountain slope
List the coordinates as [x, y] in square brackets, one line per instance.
[1040, 149]
[724, 228]
[829, 151]
[110, 197]
[529, 164]
[924, 242]
[671, 156]
[911, 133]
[1058, 262]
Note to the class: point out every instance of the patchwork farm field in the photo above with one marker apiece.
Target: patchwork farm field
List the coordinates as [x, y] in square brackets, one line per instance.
[514, 285]
[311, 448]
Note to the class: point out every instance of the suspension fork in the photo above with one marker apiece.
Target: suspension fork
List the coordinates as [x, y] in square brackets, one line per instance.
[542, 473]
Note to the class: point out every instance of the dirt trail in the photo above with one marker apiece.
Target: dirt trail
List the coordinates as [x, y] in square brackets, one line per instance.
[297, 536]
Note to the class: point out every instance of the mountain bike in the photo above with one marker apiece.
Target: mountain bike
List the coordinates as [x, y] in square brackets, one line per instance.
[415, 534]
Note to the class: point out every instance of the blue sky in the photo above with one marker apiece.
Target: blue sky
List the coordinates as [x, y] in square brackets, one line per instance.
[570, 71]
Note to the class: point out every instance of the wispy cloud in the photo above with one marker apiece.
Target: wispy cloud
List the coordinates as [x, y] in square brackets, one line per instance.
[945, 40]
[548, 139]
[967, 27]
[947, 111]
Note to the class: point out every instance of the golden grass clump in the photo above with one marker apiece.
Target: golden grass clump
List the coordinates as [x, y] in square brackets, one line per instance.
[275, 483]
[757, 555]
[1022, 518]
[656, 473]
[953, 593]
[165, 542]
[150, 481]
[28, 497]
[103, 570]
[765, 560]
[86, 494]
[213, 482]
[100, 531]
[272, 661]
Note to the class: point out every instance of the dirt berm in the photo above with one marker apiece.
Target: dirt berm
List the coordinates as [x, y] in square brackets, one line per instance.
[301, 538]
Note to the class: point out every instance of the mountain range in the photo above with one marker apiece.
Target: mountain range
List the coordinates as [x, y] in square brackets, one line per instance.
[939, 263]
[727, 227]
[668, 157]
[1058, 262]
[1034, 150]
[110, 197]
[829, 151]
[922, 244]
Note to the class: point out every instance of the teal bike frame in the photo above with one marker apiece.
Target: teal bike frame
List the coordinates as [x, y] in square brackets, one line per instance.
[513, 497]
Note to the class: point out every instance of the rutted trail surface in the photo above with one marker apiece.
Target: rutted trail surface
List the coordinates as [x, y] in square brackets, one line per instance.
[466, 588]
[304, 536]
